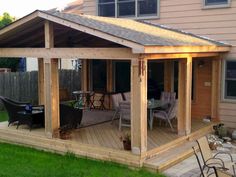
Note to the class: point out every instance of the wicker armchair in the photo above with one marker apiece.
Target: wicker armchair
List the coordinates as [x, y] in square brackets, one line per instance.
[70, 117]
[12, 108]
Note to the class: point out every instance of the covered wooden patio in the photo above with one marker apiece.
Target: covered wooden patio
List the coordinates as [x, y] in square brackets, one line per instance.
[51, 36]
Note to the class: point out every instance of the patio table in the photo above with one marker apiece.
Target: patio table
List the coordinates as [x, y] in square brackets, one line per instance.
[154, 104]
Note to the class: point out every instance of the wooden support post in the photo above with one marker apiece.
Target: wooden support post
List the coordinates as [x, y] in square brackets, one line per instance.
[51, 96]
[51, 86]
[168, 76]
[84, 75]
[215, 87]
[40, 81]
[139, 106]
[184, 96]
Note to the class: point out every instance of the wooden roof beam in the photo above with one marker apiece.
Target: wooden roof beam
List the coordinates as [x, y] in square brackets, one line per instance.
[184, 49]
[177, 55]
[82, 53]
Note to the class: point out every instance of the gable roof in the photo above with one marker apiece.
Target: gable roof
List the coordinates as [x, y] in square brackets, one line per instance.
[134, 32]
[142, 33]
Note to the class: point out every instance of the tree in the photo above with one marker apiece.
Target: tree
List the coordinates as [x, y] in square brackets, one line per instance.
[6, 19]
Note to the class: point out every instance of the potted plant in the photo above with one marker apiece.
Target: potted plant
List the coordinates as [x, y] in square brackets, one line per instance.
[220, 130]
[64, 133]
[126, 139]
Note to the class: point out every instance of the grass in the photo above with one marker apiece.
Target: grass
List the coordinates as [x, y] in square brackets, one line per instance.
[18, 161]
[3, 116]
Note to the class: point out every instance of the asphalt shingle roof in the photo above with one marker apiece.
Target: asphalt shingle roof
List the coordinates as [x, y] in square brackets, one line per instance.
[143, 33]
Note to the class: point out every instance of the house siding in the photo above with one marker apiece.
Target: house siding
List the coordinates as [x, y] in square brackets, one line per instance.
[201, 104]
[189, 15]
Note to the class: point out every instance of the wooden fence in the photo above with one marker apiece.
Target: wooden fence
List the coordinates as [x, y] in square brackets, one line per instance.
[23, 86]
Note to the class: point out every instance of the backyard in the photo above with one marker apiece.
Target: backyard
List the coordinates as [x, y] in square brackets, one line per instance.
[20, 161]
[3, 116]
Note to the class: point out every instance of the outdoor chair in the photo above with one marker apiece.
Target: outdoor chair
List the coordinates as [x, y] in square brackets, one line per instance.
[165, 97]
[97, 101]
[116, 99]
[127, 96]
[221, 173]
[70, 117]
[168, 97]
[214, 161]
[203, 173]
[172, 96]
[12, 108]
[124, 121]
[168, 115]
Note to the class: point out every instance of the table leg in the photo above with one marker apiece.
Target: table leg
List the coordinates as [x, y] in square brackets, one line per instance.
[88, 101]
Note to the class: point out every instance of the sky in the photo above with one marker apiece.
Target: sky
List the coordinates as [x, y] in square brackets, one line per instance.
[20, 8]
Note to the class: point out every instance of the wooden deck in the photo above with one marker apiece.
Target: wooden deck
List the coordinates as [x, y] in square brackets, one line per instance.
[107, 134]
[102, 141]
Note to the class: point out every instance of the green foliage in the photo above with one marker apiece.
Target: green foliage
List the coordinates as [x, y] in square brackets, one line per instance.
[3, 116]
[6, 19]
[17, 161]
[9, 63]
[12, 63]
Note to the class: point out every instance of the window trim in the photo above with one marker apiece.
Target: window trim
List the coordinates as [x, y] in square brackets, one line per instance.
[223, 81]
[215, 6]
[157, 16]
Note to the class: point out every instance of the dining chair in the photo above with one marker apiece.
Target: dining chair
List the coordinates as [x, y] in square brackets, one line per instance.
[168, 114]
[125, 120]
[168, 96]
[127, 96]
[97, 101]
[165, 97]
[116, 99]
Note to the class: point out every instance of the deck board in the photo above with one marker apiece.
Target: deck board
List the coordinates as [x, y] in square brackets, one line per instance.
[108, 135]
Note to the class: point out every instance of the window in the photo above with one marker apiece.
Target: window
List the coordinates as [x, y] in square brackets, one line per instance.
[230, 80]
[128, 8]
[216, 3]
[99, 75]
[147, 7]
[106, 8]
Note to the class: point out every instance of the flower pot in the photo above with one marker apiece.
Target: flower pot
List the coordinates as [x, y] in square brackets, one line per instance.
[65, 135]
[127, 145]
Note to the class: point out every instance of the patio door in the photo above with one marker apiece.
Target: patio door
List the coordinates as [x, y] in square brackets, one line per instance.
[121, 76]
[98, 73]
[155, 79]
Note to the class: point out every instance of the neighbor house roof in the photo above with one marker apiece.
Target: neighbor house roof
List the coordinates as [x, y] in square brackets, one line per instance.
[142, 37]
[74, 7]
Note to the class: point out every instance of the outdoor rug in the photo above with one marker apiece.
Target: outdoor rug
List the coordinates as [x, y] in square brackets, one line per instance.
[94, 117]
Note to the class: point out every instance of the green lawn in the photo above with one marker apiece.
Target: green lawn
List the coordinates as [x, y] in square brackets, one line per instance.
[17, 161]
[3, 116]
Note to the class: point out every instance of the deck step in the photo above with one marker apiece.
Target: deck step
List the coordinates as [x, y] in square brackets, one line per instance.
[170, 157]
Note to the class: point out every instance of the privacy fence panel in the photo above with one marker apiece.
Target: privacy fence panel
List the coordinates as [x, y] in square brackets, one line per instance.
[23, 86]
